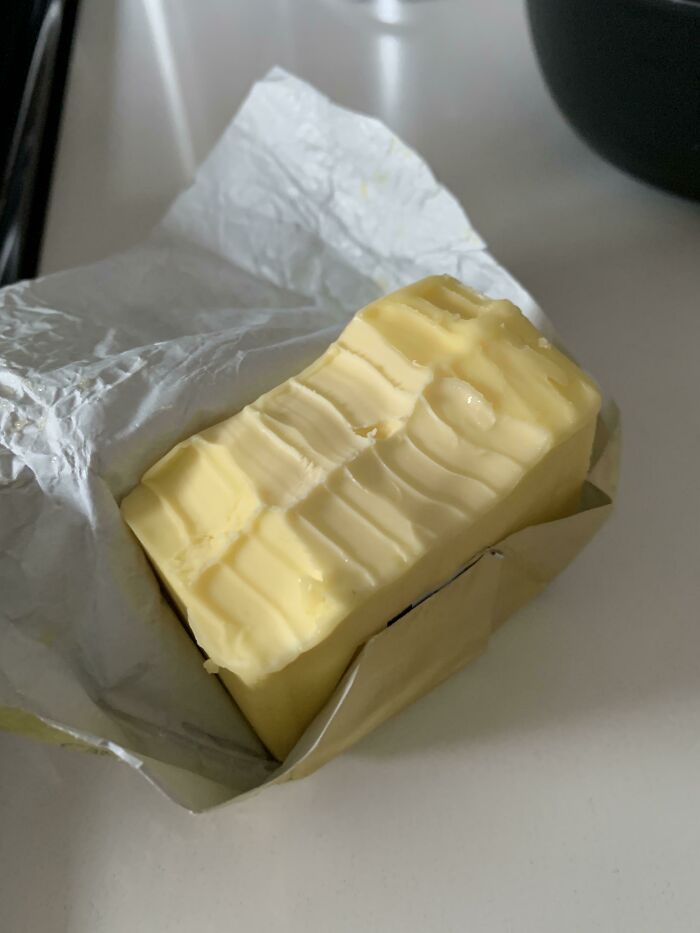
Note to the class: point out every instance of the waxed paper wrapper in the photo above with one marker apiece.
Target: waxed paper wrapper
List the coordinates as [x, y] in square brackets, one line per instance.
[302, 213]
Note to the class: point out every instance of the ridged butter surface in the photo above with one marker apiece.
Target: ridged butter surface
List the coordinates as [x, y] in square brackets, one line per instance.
[439, 421]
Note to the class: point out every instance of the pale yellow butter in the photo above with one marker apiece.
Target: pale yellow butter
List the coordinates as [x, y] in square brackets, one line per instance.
[437, 423]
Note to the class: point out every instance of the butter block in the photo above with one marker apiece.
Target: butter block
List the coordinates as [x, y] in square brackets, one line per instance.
[439, 422]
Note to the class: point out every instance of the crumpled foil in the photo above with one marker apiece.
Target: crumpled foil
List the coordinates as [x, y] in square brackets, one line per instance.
[302, 213]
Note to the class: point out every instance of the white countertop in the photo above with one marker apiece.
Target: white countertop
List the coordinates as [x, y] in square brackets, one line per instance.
[552, 787]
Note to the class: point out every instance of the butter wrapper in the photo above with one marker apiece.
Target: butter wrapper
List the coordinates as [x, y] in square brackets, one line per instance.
[302, 213]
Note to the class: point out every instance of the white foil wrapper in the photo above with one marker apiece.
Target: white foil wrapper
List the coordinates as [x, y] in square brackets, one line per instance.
[302, 213]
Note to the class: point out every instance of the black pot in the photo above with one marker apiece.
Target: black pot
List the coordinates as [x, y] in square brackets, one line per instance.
[626, 74]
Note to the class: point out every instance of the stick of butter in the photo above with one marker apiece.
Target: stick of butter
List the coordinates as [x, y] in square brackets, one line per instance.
[439, 422]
